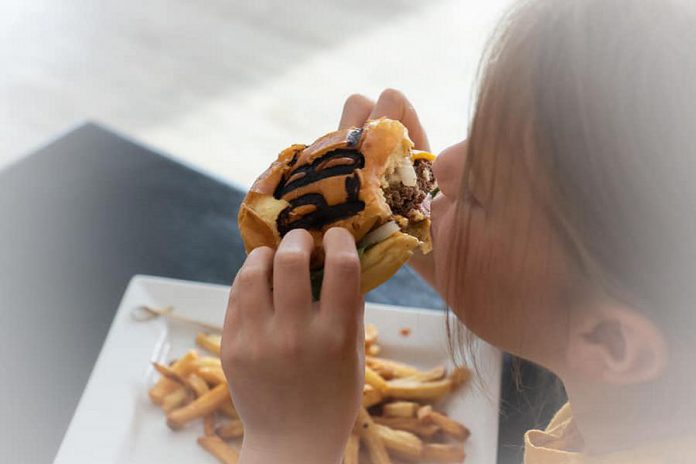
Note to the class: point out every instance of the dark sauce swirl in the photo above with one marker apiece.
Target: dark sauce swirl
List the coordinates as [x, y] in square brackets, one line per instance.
[311, 173]
[339, 162]
[323, 213]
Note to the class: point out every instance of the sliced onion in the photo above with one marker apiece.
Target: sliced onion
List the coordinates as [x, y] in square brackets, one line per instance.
[425, 205]
[407, 173]
[379, 234]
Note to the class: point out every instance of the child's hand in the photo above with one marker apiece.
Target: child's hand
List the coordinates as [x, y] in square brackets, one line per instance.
[392, 104]
[295, 368]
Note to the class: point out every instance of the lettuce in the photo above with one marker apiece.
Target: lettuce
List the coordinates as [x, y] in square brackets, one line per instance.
[316, 277]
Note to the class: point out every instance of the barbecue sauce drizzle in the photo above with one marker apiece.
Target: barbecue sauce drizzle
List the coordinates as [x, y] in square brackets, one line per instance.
[323, 213]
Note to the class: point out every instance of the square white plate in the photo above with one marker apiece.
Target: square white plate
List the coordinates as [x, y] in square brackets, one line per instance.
[116, 423]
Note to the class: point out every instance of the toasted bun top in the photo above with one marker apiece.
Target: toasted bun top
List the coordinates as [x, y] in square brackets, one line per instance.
[336, 181]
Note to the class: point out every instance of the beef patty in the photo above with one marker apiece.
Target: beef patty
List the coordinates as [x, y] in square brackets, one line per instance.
[403, 199]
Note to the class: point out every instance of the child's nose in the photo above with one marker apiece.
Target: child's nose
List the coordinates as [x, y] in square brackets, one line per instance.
[448, 168]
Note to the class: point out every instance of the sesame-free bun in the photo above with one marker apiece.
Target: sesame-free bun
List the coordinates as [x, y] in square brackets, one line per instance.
[335, 182]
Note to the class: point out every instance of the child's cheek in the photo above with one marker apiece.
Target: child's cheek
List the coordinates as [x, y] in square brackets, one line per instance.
[445, 234]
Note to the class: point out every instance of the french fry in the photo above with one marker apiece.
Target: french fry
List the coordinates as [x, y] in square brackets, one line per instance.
[388, 368]
[408, 424]
[175, 399]
[209, 342]
[436, 373]
[351, 455]
[399, 442]
[446, 453]
[373, 379]
[194, 383]
[230, 429]
[228, 409]
[197, 384]
[218, 448]
[373, 350]
[168, 373]
[209, 425]
[371, 396]
[162, 388]
[424, 413]
[373, 442]
[186, 363]
[371, 334]
[164, 385]
[400, 409]
[200, 407]
[212, 375]
[409, 389]
[195, 387]
[208, 361]
[460, 376]
[451, 427]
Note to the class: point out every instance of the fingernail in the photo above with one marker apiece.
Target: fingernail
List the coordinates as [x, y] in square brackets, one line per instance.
[295, 232]
[297, 239]
[296, 235]
[256, 250]
[336, 230]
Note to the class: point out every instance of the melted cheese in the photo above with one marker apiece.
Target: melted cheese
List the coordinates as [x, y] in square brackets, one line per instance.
[417, 154]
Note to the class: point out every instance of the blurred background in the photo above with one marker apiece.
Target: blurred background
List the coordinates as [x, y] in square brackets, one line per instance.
[224, 85]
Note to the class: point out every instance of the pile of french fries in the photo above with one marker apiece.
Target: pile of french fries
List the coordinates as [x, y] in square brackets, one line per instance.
[397, 421]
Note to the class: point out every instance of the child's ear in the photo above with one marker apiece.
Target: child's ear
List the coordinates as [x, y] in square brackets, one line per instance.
[615, 344]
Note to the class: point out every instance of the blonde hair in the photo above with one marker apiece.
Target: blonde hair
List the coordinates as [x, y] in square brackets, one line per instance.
[601, 94]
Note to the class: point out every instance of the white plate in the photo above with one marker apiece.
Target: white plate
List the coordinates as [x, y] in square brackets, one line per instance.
[116, 423]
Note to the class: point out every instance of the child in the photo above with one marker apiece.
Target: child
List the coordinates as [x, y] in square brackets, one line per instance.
[565, 233]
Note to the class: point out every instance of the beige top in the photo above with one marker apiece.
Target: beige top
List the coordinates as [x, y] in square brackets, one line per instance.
[561, 443]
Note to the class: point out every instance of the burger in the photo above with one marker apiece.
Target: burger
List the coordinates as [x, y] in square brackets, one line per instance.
[368, 180]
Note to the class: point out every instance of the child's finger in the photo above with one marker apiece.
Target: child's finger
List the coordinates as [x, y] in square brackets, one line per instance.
[340, 297]
[356, 109]
[393, 104]
[292, 291]
[250, 296]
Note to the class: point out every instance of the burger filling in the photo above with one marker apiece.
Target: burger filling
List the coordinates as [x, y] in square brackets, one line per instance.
[405, 194]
